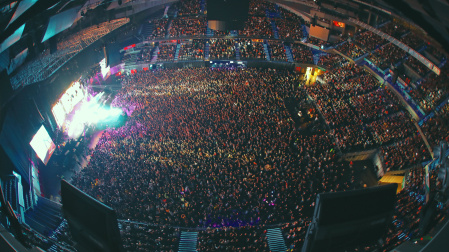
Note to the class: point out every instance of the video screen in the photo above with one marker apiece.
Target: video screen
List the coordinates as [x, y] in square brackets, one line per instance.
[104, 69]
[43, 145]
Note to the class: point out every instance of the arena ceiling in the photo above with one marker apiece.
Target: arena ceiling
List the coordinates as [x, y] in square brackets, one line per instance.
[34, 16]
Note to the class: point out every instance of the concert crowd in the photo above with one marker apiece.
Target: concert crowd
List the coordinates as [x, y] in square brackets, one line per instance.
[221, 150]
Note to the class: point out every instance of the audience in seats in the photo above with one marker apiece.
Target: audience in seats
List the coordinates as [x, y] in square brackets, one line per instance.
[257, 27]
[166, 52]
[251, 50]
[277, 51]
[302, 53]
[192, 50]
[222, 49]
[188, 26]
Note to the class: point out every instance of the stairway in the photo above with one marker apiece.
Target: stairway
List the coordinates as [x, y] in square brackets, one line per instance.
[237, 51]
[203, 6]
[9, 191]
[206, 50]
[305, 35]
[276, 240]
[154, 54]
[188, 242]
[178, 48]
[54, 248]
[209, 32]
[167, 30]
[45, 217]
[317, 55]
[288, 52]
[275, 29]
[267, 52]
[147, 30]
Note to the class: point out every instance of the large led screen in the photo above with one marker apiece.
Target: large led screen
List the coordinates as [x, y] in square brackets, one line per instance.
[104, 69]
[43, 145]
[72, 96]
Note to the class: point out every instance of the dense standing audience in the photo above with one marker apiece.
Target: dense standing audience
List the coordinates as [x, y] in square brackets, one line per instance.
[352, 138]
[215, 148]
[362, 84]
[227, 136]
[295, 232]
[375, 105]
[244, 238]
[143, 237]
[392, 128]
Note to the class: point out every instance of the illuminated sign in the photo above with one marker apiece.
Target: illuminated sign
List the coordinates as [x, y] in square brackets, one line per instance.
[104, 69]
[129, 47]
[338, 24]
